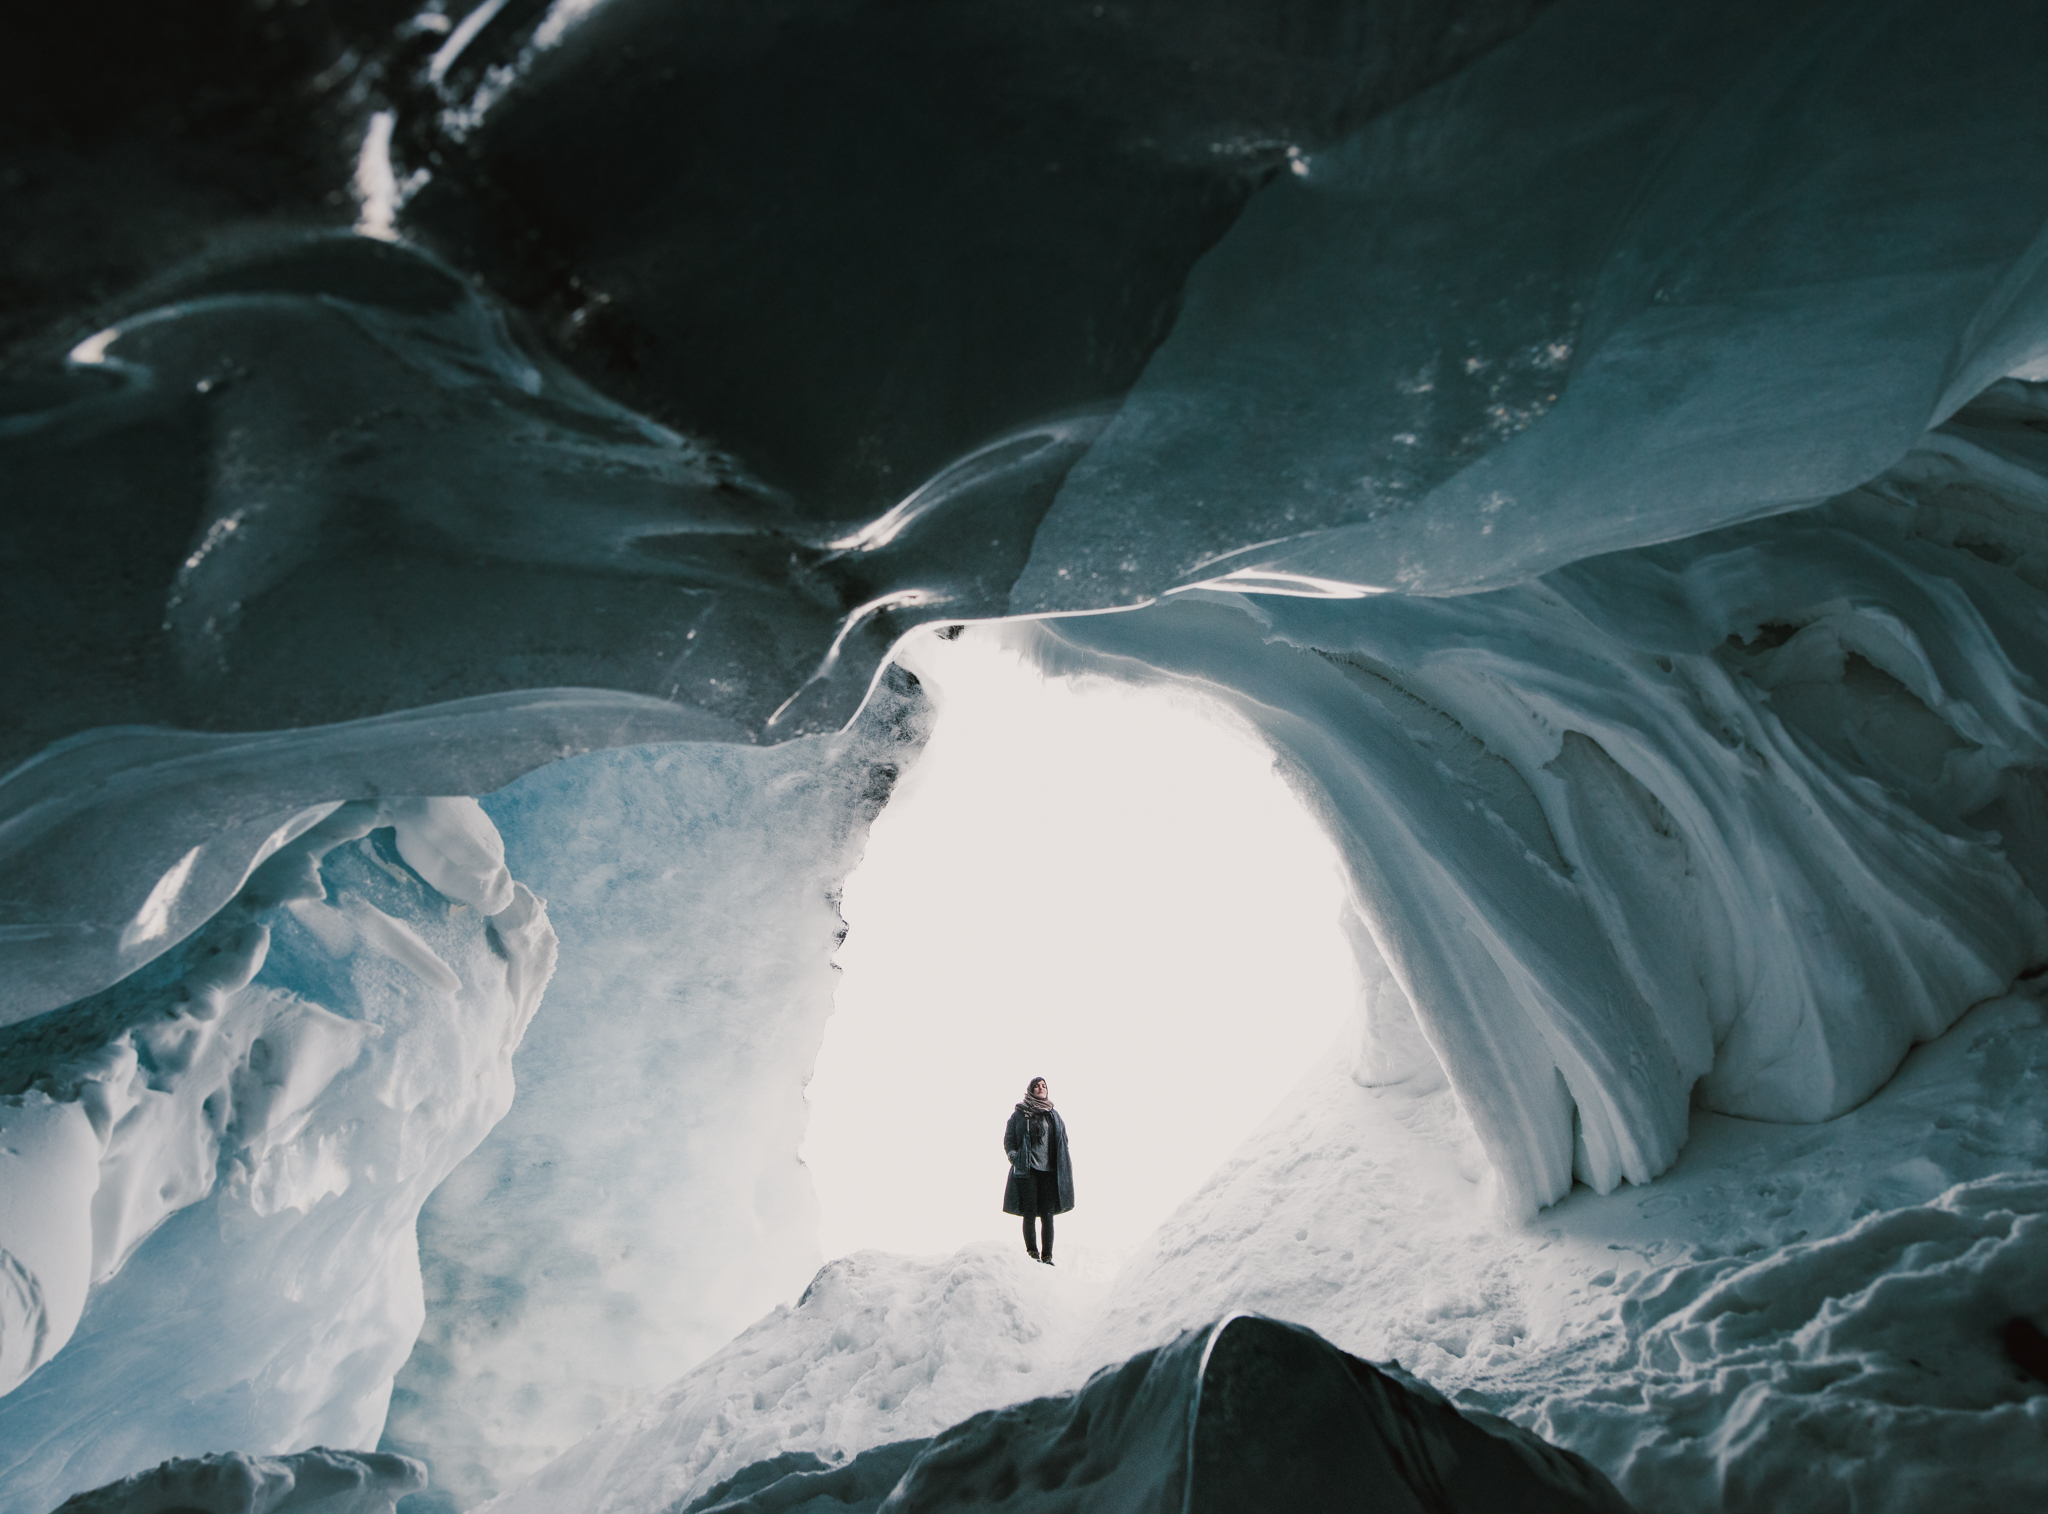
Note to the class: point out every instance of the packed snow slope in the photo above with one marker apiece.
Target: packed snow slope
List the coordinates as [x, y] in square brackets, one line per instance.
[1794, 1318]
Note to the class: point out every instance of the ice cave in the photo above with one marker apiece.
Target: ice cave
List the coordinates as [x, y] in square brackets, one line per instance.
[621, 615]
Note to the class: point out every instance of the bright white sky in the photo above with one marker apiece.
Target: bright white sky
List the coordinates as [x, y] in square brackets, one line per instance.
[1106, 887]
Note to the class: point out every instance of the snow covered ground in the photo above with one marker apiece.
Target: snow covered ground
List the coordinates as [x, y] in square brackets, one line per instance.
[1787, 1301]
[879, 1348]
[1794, 1317]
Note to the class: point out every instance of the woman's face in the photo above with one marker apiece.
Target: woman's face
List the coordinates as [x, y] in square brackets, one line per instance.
[1039, 1090]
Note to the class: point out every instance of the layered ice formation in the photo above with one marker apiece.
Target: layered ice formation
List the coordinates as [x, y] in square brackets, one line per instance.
[642, 1202]
[215, 1165]
[1599, 450]
[1746, 816]
[1641, 272]
[1795, 1316]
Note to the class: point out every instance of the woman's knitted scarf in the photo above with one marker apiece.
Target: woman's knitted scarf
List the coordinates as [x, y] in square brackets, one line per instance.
[1034, 1107]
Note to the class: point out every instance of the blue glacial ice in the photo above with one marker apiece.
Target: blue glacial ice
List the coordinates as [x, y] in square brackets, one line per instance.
[660, 1107]
[1739, 819]
[1640, 272]
[215, 1165]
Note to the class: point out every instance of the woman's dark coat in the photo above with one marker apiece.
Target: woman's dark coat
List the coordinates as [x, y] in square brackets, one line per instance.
[1014, 1145]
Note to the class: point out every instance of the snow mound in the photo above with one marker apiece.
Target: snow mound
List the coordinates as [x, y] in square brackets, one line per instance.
[1809, 1264]
[1864, 1372]
[1246, 1413]
[879, 1349]
[642, 1201]
[318, 1481]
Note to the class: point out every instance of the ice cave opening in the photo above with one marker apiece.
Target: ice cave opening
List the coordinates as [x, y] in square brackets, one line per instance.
[1112, 886]
[1472, 592]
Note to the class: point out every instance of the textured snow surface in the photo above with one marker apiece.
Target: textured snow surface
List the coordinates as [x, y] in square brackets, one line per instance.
[1795, 1252]
[879, 1348]
[642, 1202]
[215, 1165]
[1793, 1318]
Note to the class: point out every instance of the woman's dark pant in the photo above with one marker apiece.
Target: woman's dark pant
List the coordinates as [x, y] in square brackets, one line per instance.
[1043, 1197]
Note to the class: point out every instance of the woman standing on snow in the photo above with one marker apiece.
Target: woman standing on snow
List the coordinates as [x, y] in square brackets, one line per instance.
[1041, 1174]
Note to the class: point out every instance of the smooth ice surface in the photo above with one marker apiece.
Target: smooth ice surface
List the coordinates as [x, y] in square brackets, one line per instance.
[217, 1249]
[1107, 887]
[1834, 1269]
[1640, 272]
[643, 1199]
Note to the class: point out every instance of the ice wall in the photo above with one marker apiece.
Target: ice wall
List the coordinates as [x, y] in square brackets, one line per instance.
[1748, 815]
[643, 1202]
[214, 1165]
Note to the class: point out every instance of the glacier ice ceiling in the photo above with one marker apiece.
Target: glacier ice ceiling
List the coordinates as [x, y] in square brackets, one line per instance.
[481, 483]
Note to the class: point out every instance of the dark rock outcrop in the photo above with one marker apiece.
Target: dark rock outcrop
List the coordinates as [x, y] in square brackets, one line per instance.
[1251, 1413]
[318, 1481]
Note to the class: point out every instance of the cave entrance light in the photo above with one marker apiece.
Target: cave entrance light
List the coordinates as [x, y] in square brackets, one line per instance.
[1104, 885]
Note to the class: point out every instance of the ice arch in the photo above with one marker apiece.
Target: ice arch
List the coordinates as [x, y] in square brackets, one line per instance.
[1772, 794]
[1737, 817]
[1746, 816]
[1104, 885]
